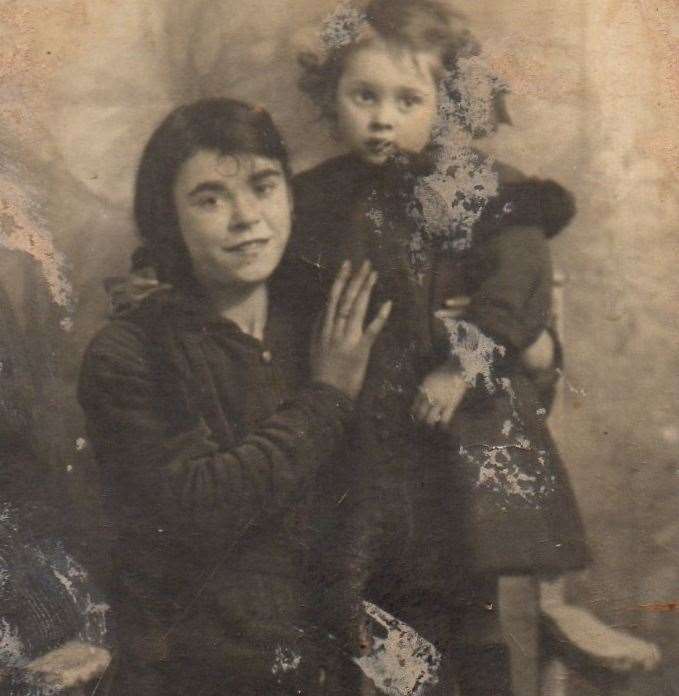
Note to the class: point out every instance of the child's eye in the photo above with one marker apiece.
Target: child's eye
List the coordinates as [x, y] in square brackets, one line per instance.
[410, 100]
[365, 96]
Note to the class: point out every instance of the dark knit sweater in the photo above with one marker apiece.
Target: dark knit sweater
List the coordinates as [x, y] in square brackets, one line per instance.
[210, 443]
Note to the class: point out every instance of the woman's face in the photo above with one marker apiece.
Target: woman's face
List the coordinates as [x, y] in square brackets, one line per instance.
[234, 214]
[387, 101]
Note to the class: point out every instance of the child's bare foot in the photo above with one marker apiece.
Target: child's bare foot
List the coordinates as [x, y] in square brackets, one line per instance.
[606, 646]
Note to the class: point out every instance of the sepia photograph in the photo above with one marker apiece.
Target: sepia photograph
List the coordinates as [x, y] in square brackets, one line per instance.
[339, 348]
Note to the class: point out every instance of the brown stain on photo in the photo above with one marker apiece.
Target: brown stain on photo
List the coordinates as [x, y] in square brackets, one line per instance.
[660, 607]
[37, 39]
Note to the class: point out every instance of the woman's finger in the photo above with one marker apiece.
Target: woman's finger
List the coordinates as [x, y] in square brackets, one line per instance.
[360, 306]
[422, 406]
[433, 417]
[373, 329]
[335, 294]
[346, 303]
[447, 416]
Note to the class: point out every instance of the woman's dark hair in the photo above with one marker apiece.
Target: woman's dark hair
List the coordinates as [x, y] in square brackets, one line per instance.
[225, 126]
[417, 25]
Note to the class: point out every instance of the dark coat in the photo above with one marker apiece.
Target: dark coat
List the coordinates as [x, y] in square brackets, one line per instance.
[428, 511]
[46, 597]
[209, 442]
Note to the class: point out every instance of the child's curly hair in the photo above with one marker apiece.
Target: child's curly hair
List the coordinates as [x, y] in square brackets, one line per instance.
[416, 25]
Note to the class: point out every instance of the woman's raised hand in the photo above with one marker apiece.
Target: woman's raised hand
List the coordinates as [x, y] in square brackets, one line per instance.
[342, 345]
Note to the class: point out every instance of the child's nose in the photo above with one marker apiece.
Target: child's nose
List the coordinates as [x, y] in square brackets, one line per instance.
[382, 117]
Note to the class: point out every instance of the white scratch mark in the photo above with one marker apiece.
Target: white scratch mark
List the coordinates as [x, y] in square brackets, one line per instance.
[285, 660]
[23, 229]
[475, 351]
[404, 662]
[12, 651]
[343, 26]
[571, 388]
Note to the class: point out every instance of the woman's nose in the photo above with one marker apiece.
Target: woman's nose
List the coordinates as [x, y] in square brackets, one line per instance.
[245, 212]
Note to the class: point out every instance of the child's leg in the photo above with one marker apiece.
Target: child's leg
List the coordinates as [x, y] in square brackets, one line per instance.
[577, 629]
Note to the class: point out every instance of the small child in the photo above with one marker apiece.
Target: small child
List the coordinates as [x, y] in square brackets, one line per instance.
[437, 515]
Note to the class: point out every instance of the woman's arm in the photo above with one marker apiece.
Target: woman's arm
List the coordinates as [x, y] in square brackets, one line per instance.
[154, 444]
[189, 483]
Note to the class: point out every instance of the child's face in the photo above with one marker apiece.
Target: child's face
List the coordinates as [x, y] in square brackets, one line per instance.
[386, 101]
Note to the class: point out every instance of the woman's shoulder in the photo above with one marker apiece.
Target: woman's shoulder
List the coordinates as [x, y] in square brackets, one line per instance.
[126, 337]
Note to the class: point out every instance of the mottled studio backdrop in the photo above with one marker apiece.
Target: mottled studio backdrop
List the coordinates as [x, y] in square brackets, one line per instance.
[595, 104]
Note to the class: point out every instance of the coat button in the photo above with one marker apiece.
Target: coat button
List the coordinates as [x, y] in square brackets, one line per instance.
[266, 356]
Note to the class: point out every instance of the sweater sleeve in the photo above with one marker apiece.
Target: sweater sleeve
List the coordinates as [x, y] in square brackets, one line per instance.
[512, 303]
[179, 473]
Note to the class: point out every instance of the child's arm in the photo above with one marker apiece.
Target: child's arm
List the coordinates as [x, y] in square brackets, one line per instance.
[512, 303]
[539, 356]
[505, 317]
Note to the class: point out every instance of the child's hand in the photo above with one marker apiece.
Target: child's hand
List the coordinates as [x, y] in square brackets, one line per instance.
[439, 395]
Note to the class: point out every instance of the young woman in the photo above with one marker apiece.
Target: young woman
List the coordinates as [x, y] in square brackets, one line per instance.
[211, 423]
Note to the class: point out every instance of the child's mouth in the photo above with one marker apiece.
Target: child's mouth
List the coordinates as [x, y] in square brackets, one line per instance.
[379, 146]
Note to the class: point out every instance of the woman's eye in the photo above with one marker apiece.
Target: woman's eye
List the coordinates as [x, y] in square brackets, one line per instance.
[265, 188]
[208, 202]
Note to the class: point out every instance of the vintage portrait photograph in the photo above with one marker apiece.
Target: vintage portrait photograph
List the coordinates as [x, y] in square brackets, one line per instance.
[339, 348]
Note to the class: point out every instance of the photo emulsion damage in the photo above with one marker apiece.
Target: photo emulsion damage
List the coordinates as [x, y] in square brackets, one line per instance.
[338, 348]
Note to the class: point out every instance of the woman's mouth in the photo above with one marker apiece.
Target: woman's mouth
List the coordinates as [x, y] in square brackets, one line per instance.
[251, 246]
